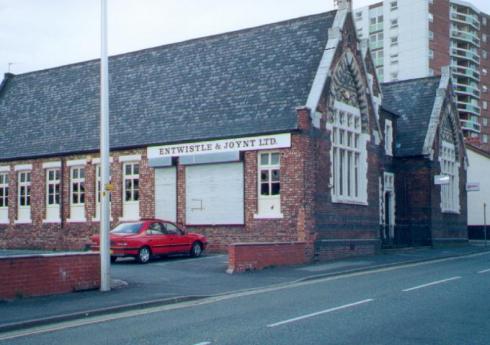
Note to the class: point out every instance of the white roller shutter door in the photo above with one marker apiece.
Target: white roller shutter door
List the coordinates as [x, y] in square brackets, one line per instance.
[166, 193]
[214, 194]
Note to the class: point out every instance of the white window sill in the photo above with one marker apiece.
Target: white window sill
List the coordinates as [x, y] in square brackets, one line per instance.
[23, 221]
[451, 211]
[81, 220]
[338, 200]
[47, 221]
[269, 216]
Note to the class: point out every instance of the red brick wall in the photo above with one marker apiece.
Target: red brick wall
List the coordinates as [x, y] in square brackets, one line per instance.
[38, 275]
[256, 256]
[485, 80]
[440, 27]
[67, 235]
[262, 230]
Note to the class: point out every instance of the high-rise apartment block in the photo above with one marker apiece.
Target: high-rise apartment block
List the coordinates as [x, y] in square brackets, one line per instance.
[415, 38]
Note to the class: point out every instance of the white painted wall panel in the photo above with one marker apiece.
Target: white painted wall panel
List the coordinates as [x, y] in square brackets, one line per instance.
[478, 172]
[166, 193]
[214, 194]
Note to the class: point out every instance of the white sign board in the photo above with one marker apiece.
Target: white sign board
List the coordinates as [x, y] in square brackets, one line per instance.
[264, 142]
[473, 187]
[441, 179]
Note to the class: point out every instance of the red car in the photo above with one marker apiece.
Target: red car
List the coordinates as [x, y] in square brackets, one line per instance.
[148, 237]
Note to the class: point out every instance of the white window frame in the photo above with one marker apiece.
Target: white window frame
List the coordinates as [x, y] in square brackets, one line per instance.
[131, 206]
[53, 209]
[485, 138]
[4, 197]
[389, 137]
[450, 168]
[77, 209]
[348, 156]
[24, 188]
[269, 206]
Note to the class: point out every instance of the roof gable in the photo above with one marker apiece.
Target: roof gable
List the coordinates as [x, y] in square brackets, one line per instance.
[413, 100]
[240, 83]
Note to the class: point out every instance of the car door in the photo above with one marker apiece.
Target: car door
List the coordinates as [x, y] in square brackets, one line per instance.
[180, 242]
[157, 239]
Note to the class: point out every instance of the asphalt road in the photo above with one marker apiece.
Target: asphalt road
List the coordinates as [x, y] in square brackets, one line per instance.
[430, 303]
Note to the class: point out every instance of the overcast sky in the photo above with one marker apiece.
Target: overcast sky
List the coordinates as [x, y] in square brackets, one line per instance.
[38, 34]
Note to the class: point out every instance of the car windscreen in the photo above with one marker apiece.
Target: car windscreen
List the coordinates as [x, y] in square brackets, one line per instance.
[127, 228]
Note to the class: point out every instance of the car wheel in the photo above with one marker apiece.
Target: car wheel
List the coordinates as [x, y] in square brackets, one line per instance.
[143, 255]
[113, 259]
[196, 249]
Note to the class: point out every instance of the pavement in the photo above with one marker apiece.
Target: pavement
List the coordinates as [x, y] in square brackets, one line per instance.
[177, 279]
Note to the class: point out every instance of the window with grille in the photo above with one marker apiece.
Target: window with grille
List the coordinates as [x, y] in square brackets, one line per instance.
[269, 183]
[4, 190]
[52, 187]
[131, 182]
[24, 188]
[449, 168]
[346, 153]
[77, 185]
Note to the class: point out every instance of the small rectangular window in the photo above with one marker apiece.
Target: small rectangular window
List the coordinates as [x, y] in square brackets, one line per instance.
[24, 188]
[394, 23]
[4, 190]
[24, 196]
[389, 137]
[431, 35]
[485, 138]
[269, 183]
[77, 186]
[394, 41]
[484, 37]
[52, 187]
[393, 5]
[131, 182]
[431, 54]
[485, 120]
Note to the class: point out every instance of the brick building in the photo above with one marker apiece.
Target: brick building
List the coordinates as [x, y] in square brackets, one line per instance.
[274, 133]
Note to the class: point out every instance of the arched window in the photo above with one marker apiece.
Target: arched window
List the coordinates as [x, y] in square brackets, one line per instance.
[348, 128]
[449, 162]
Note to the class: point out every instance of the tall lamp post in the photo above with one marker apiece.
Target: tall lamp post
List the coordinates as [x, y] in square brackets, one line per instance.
[105, 262]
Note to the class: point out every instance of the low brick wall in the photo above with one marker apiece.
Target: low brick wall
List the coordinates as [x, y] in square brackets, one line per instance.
[256, 256]
[48, 274]
[326, 250]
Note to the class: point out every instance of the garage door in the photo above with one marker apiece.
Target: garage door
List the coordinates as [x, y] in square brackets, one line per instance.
[166, 193]
[214, 194]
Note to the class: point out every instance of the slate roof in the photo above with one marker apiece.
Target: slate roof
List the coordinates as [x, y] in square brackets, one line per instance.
[240, 83]
[413, 100]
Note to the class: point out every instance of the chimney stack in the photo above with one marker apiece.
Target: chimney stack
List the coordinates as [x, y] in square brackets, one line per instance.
[343, 4]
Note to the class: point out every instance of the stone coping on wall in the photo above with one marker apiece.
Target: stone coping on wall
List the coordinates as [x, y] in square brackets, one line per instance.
[43, 255]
